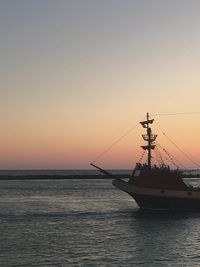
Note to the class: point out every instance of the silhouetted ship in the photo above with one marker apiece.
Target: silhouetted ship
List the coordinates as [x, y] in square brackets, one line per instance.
[157, 187]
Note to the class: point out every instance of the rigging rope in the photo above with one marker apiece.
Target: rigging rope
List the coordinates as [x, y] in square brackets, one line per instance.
[171, 158]
[159, 156]
[142, 156]
[114, 143]
[180, 113]
[185, 154]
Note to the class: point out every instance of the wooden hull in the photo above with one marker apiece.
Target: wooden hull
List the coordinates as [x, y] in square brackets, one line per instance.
[175, 203]
[151, 198]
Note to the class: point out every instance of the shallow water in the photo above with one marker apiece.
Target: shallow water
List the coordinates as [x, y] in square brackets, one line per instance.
[90, 223]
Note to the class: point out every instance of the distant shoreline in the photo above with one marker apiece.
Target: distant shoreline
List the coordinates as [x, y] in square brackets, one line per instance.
[77, 176]
[59, 177]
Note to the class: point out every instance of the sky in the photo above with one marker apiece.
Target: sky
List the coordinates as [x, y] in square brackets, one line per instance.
[76, 75]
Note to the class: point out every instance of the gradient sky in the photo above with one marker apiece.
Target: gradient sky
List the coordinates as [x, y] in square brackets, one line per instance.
[76, 75]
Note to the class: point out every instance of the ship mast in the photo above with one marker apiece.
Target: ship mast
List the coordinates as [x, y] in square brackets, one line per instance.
[149, 138]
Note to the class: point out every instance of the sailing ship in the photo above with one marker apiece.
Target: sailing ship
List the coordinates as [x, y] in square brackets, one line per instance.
[157, 187]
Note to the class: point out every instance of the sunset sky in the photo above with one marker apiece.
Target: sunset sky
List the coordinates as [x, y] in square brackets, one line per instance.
[76, 75]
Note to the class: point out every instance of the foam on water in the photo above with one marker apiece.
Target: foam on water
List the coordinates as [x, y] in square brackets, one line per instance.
[90, 223]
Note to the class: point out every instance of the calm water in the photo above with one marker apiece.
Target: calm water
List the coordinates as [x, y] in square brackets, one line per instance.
[89, 223]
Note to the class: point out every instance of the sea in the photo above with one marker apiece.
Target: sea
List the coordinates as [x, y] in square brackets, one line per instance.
[88, 222]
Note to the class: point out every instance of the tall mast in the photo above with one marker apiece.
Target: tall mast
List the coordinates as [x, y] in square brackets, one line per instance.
[149, 138]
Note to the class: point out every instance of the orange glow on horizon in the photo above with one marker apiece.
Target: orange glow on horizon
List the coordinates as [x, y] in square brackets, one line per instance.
[67, 150]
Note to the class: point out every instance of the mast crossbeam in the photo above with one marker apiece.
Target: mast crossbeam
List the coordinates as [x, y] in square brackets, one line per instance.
[152, 137]
[149, 138]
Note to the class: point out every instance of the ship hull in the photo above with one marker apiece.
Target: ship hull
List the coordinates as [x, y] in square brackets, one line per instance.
[166, 203]
[160, 199]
